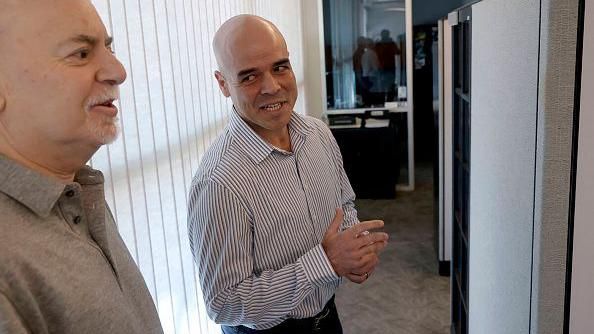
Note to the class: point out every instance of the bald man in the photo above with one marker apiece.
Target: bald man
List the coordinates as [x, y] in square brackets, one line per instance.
[63, 267]
[272, 223]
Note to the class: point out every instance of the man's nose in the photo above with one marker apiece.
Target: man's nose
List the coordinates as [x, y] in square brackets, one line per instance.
[270, 85]
[112, 72]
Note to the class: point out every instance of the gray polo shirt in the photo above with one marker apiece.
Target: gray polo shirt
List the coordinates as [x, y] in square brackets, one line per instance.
[63, 266]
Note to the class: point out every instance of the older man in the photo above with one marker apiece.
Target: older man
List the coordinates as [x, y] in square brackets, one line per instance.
[63, 267]
[268, 201]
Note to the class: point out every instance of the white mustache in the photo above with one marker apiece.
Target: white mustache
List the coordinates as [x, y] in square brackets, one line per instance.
[106, 96]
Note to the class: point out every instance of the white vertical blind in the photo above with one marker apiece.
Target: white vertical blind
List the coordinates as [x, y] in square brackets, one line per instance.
[171, 110]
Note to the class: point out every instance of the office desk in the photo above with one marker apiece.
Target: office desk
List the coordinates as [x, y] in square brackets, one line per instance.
[371, 158]
[400, 108]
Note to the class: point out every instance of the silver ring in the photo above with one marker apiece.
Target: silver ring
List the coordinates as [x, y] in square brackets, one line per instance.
[366, 275]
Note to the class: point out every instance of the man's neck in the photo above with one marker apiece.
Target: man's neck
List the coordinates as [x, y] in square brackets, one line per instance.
[56, 166]
[279, 139]
[283, 143]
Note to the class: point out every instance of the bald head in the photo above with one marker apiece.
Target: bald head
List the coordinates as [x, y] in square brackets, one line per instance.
[13, 10]
[8, 10]
[239, 33]
[20, 17]
[255, 72]
[58, 81]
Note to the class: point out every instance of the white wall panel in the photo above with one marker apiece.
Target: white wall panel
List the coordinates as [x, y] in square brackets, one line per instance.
[505, 41]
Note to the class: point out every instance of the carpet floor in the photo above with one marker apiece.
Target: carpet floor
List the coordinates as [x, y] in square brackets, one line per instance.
[405, 294]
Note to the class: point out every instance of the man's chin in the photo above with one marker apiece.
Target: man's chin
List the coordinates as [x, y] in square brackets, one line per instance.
[107, 134]
[110, 139]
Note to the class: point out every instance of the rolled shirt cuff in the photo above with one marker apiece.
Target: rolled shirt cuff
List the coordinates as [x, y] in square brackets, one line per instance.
[317, 266]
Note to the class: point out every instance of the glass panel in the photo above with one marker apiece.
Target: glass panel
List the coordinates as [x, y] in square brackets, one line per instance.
[365, 43]
[466, 65]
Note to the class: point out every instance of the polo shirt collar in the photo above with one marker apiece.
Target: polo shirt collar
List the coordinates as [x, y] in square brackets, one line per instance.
[36, 191]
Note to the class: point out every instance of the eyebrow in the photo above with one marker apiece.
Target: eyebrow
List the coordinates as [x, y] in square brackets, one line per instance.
[90, 39]
[283, 61]
[246, 71]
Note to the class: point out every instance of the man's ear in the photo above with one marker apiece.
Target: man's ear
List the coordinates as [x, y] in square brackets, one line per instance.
[2, 100]
[222, 83]
[4, 93]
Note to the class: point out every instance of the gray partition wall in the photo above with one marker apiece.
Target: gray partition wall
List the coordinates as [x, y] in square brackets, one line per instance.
[556, 103]
[523, 76]
[582, 283]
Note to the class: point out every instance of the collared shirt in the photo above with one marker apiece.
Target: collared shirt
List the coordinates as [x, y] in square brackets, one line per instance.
[63, 266]
[257, 216]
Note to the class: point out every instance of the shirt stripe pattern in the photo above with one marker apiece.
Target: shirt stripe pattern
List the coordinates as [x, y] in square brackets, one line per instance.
[257, 216]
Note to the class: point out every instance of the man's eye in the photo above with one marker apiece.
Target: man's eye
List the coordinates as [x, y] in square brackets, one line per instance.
[249, 78]
[81, 54]
[281, 68]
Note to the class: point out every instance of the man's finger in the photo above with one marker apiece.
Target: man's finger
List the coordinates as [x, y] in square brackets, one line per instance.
[366, 262]
[377, 237]
[374, 248]
[371, 238]
[379, 246]
[358, 279]
[366, 226]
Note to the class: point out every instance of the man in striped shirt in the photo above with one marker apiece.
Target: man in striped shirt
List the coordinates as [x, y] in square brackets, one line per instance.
[272, 223]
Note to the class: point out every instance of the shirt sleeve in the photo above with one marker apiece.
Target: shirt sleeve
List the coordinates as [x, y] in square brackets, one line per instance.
[10, 320]
[221, 238]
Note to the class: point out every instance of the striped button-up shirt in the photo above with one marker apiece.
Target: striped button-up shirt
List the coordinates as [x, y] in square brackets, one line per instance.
[257, 217]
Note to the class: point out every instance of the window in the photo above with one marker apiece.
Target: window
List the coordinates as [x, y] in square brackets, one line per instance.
[171, 110]
[365, 46]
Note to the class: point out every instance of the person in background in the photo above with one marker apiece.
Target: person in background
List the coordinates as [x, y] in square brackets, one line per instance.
[271, 220]
[63, 266]
[387, 50]
[370, 72]
[361, 87]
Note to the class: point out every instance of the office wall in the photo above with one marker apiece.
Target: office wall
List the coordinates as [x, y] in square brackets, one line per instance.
[582, 287]
[313, 57]
[522, 108]
[553, 161]
[503, 126]
[448, 162]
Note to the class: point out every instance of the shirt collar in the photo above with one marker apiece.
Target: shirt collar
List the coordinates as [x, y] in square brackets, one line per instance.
[38, 192]
[256, 147]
